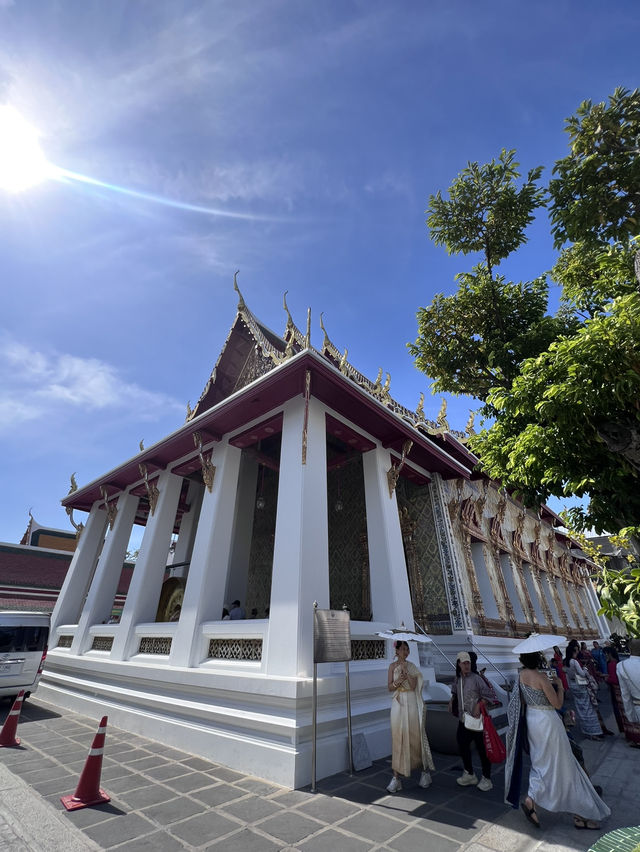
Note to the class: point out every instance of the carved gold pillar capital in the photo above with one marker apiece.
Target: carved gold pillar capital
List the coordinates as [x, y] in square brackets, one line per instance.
[151, 488]
[208, 468]
[393, 474]
[110, 508]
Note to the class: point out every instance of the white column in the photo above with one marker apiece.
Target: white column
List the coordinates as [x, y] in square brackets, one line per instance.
[144, 591]
[390, 595]
[301, 550]
[204, 592]
[74, 589]
[103, 588]
[241, 551]
[187, 532]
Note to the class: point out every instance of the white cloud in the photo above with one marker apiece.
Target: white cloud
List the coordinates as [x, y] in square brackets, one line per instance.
[389, 183]
[37, 385]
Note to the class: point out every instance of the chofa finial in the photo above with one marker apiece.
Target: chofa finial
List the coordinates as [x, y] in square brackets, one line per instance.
[241, 304]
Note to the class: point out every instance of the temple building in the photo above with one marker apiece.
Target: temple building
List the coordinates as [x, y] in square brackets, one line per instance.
[294, 480]
[32, 572]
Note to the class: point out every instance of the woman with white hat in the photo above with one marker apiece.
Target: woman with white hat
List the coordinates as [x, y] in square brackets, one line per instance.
[470, 689]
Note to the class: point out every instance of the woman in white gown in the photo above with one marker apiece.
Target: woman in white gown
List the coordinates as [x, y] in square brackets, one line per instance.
[409, 744]
[557, 782]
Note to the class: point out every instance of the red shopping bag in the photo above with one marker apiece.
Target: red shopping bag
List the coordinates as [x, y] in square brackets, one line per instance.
[496, 751]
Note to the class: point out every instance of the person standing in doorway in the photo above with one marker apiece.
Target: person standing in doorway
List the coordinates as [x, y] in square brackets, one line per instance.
[236, 612]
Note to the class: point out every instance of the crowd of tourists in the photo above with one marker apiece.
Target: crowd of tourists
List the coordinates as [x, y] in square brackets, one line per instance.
[550, 697]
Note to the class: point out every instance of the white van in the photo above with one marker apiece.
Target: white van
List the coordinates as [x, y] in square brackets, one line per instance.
[24, 637]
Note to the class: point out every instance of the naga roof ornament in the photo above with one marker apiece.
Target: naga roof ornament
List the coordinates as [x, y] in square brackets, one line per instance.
[260, 350]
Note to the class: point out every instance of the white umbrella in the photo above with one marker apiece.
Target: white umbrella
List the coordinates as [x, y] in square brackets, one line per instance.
[538, 642]
[401, 634]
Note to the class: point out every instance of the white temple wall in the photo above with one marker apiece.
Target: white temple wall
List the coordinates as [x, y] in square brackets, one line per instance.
[390, 596]
[484, 582]
[545, 584]
[508, 573]
[533, 593]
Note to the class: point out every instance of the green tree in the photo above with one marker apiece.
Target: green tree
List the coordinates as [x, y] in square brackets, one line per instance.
[554, 427]
[485, 211]
[595, 196]
[567, 416]
[618, 589]
[476, 339]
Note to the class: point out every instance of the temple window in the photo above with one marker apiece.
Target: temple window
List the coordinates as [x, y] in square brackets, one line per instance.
[347, 529]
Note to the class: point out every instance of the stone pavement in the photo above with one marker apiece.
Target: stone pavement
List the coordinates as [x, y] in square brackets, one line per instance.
[163, 799]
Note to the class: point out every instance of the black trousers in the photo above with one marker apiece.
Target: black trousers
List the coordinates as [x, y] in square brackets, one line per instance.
[465, 738]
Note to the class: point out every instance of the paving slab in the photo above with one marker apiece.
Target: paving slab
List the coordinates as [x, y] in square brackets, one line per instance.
[159, 802]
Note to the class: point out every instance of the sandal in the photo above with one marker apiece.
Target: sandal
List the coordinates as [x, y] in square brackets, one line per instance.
[581, 823]
[530, 813]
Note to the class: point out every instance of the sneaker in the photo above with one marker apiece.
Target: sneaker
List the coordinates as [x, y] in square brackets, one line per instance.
[425, 780]
[394, 785]
[466, 779]
[485, 784]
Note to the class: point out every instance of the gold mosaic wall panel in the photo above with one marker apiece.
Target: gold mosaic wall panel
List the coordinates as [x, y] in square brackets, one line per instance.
[348, 546]
[422, 554]
[262, 544]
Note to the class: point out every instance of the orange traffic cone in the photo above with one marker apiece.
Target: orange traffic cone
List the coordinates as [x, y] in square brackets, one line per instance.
[8, 737]
[88, 791]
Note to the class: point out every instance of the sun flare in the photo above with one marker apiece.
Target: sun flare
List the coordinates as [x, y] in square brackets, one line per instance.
[22, 162]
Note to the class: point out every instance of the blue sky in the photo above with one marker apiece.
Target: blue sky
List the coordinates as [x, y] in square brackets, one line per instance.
[327, 124]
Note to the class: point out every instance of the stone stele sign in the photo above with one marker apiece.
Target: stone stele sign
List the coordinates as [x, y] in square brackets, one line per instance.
[331, 636]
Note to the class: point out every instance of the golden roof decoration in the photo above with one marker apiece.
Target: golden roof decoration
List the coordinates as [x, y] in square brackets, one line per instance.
[469, 430]
[292, 332]
[274, 350]
[241, 303]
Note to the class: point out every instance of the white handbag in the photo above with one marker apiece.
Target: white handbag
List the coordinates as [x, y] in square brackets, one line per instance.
[471, 723]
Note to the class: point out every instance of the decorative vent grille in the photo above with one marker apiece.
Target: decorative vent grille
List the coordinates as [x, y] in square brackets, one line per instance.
[102, 643]
[368, 649]
[155, 645]
[65, 641]
[235, 649]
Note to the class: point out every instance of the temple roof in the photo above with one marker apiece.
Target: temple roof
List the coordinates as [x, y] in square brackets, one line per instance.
[256, 372]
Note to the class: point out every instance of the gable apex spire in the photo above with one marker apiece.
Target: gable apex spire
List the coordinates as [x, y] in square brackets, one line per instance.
[241, 303]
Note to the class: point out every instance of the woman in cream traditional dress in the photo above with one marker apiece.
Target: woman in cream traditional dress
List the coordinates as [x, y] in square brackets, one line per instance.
[557, 782]
[409, 744]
